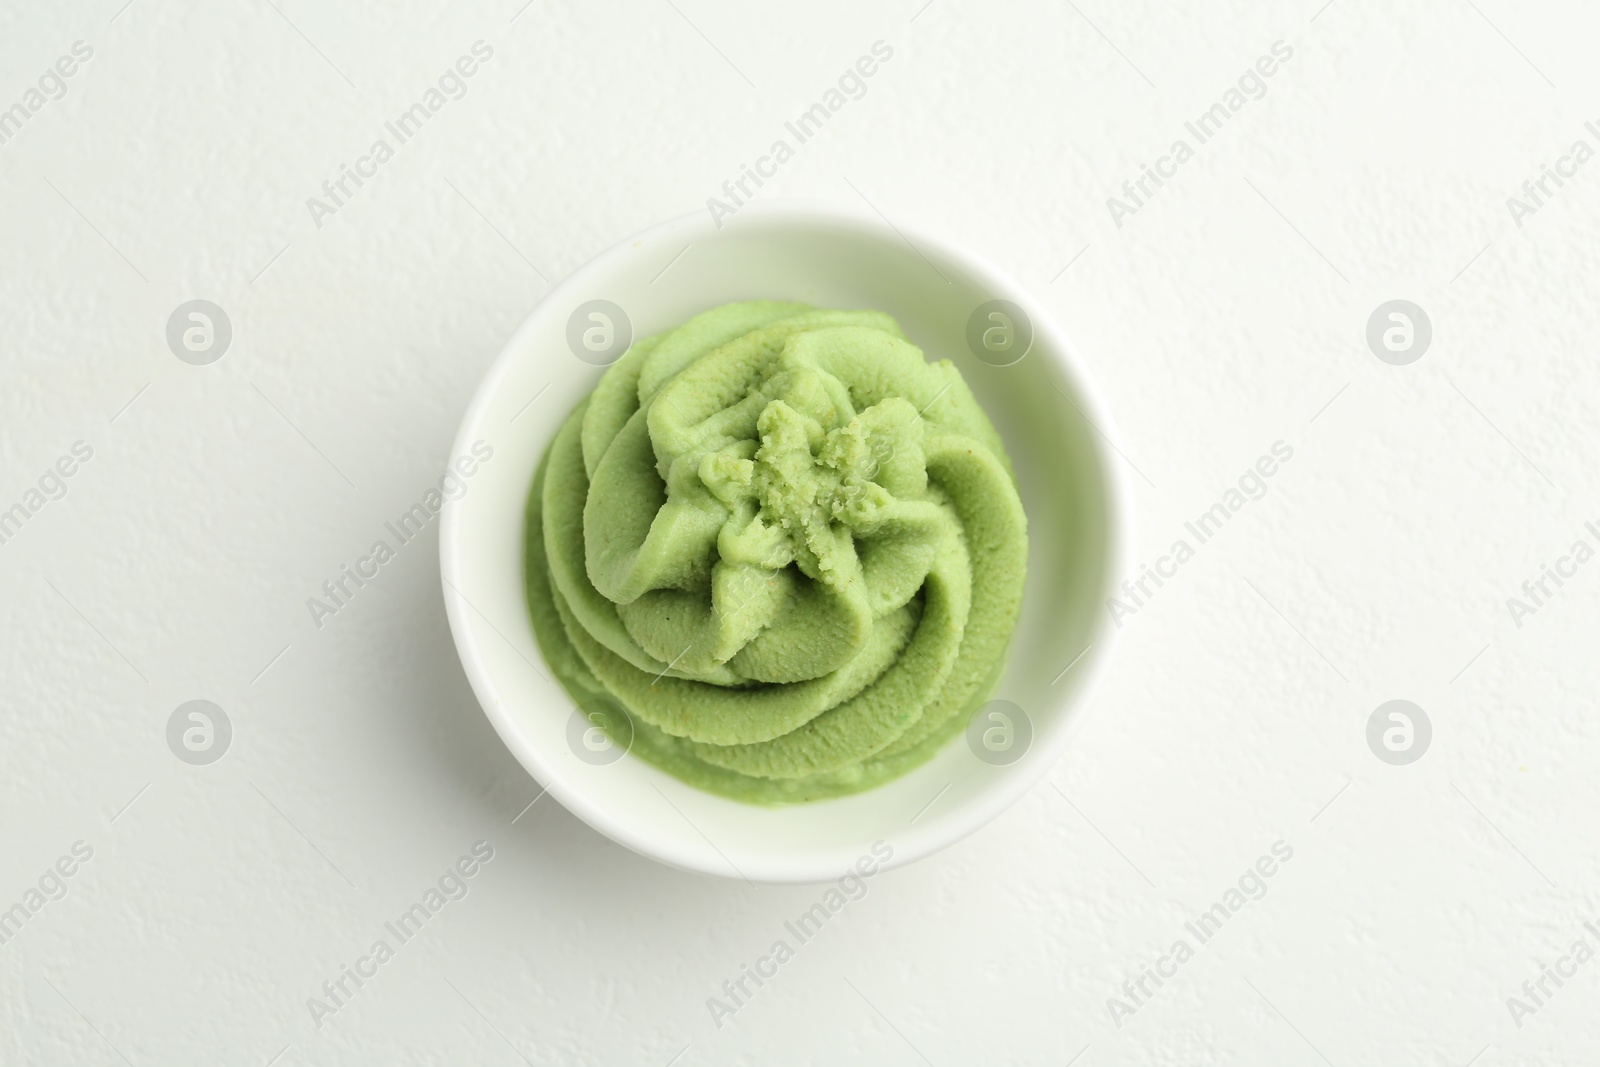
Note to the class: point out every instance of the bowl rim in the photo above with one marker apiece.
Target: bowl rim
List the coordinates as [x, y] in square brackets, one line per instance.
[1020, 777]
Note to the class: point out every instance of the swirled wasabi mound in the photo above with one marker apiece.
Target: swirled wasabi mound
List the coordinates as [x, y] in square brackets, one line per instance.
[790, 547]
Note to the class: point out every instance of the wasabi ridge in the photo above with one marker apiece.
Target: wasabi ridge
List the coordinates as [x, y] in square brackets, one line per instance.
[790, 547]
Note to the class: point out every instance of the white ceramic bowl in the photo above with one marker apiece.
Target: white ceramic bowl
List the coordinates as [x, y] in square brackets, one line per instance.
[1045, 408]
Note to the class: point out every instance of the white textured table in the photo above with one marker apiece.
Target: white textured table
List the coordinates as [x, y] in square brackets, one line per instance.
[1224, 310]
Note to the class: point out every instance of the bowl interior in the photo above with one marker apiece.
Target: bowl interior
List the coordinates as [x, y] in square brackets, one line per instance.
[825, 256]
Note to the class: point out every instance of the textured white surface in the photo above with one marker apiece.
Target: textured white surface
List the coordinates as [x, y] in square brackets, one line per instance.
[1225, 315]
